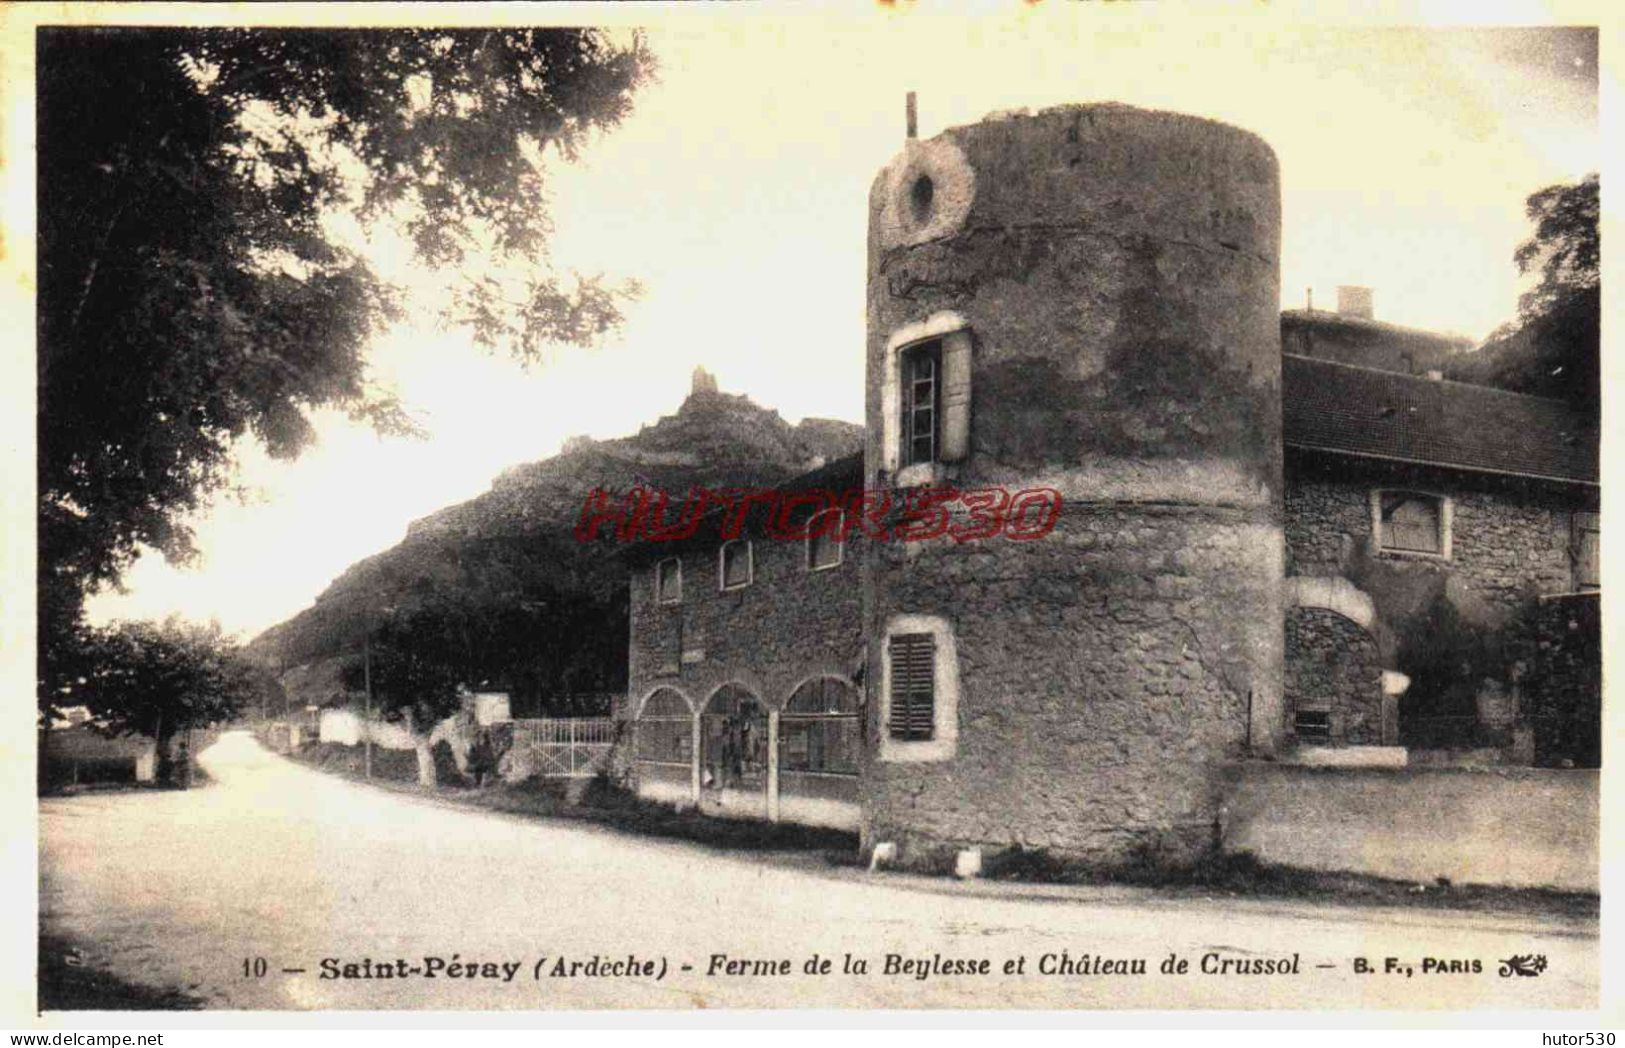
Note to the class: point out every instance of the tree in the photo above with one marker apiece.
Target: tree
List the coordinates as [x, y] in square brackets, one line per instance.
[1566, 245]
[543, 642]
[159, 679]
[416, 661]
[1553, 348]
[193, 291]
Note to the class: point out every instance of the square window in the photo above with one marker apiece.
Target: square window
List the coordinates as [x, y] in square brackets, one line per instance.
[737, 569]
[1410, 522]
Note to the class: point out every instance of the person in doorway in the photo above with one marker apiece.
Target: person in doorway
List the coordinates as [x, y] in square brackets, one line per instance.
[481, 757]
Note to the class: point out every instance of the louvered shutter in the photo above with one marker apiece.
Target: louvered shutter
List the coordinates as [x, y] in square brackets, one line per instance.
[956, 368]
[913, 685]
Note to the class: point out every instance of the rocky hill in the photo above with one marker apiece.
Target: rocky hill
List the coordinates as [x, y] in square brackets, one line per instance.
[511, 551]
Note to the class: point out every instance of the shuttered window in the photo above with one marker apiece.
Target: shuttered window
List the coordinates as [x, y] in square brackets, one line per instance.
[956, 377]
[1411, 522]
[1587, 551]
[913, 686]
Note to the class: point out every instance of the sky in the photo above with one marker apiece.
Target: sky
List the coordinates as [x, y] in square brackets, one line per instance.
[736, 195]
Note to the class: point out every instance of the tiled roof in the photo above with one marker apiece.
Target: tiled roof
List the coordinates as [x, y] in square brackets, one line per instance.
[1321, 318]
[1327, 406]
[842, 474]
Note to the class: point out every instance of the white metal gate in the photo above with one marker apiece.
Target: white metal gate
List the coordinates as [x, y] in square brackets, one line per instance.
[568, 747]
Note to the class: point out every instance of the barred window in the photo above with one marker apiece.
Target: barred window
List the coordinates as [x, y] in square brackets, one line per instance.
[913, 686]
[1411, 522]
[1313, 725]
[665, 729]
[819, 731]
[922, 402]
[669, 581]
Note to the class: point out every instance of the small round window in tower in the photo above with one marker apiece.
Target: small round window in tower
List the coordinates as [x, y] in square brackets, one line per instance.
[920, 195]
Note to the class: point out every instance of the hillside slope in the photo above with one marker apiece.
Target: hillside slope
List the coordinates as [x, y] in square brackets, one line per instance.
[509, 556]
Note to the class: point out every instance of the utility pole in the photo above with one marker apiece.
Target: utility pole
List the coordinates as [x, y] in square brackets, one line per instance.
[366, 724]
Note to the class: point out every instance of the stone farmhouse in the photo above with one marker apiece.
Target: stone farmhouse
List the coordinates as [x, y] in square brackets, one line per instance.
[1294, 577]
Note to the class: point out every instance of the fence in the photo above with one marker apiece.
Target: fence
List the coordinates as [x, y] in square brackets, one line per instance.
[567, 747]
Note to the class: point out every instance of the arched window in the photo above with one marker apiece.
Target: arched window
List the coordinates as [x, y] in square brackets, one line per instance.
[666, 729]
[733, 740]
[819, 729]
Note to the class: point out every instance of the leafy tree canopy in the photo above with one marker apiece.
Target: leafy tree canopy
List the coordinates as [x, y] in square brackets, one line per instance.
[192, 290]
[1566, 246]
[543, 648]
[1553, 348]
[158, 679]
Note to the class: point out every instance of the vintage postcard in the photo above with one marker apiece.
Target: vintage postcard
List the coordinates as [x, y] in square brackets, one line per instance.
[546, 508]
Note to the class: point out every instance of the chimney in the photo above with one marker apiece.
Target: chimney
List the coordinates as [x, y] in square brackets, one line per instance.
[1354, 301]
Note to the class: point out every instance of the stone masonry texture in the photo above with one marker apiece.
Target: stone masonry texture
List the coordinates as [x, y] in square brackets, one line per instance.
[1103, 677]
[1332, 664]
[788, 625]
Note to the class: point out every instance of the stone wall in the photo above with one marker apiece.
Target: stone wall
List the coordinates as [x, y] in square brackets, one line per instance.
[1104, 676]
[1457, 626]
[1528, 827]
[1563, 691]
[1510, 540]
[1332, 664]
[788, 625]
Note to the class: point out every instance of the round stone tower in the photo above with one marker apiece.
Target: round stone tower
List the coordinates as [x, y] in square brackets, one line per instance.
[1082, 303]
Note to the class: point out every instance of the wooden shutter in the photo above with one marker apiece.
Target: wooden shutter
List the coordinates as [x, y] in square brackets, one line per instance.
[1587, 551]
[913, 685]
[956, 368]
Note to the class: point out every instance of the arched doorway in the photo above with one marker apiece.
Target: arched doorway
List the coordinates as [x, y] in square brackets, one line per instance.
[733, 743]
[1333, 679]
[819, 731]
[820, 744]
[665, 746]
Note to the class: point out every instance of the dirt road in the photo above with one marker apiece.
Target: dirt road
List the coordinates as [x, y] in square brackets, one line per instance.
[306, 871]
